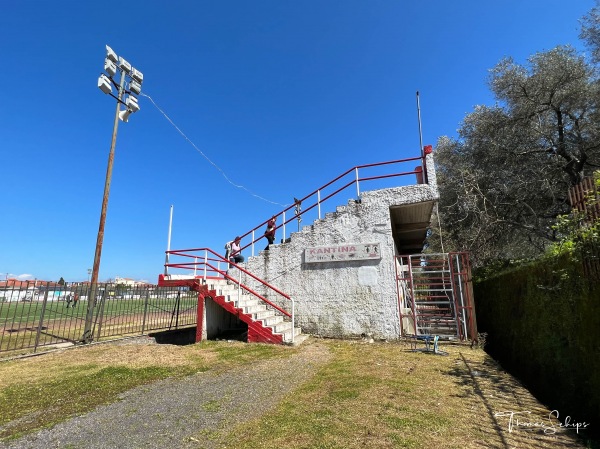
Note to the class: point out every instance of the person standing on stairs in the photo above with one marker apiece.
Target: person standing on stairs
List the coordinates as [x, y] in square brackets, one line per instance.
[270, 232]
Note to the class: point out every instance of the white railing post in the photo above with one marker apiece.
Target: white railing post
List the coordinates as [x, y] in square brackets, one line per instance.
[319, 202]
[252, 243]
[293, 319]
[195, 265]
[168, 242]
[283, 241]
[205, 262]
[357, 187]
[239, 292]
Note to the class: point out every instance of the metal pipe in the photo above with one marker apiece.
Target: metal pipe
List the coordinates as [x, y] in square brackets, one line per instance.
[412, 296]
[357, 186]
[293, 319]
[423, 156]
[460, 279]
[283, 241]
[420, 130]
[319, 202]
[239, 292]
[451, 267]
[169, 241]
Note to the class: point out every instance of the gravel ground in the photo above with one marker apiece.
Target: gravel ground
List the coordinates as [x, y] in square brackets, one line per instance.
[182, 413]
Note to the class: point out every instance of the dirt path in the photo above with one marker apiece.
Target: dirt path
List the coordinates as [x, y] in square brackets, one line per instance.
[182, 413]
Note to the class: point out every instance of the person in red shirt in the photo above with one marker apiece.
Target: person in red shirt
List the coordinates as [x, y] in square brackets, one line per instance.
[270, 232]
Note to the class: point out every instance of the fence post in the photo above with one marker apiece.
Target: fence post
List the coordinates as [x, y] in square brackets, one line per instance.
[39, 329]
[205, 263]
[146, 308]
[101, 312]
[357, 186]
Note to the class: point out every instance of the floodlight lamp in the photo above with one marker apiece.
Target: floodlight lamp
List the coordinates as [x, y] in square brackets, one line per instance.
[137, 75]
[104, 84]
[135, 87]
[124, 115]
[124, 65]
[110, 54]
[132, 104]
[110, 67]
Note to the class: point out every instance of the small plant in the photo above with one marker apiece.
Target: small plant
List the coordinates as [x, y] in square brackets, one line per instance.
[578, 233]
[480, 341]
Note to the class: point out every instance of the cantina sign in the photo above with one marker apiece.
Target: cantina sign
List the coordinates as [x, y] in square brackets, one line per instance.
[338, 253]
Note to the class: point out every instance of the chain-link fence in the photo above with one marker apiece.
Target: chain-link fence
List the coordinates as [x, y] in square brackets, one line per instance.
[35, 314]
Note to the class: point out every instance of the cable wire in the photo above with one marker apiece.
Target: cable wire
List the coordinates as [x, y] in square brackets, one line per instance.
[239, 186]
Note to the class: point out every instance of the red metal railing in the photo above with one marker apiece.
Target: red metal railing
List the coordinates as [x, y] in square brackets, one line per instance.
[208, 263]
[315, 199]
[435, 292]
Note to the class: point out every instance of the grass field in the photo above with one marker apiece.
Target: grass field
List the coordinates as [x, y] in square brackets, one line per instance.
[379, 395]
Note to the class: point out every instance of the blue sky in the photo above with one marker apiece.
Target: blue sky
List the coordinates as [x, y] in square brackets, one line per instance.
[282, 96]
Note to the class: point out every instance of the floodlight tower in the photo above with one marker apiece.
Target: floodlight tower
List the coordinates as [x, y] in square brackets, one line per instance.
[130, 85]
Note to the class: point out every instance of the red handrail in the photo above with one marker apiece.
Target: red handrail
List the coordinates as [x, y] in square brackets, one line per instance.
[203, 261]
[319, 201]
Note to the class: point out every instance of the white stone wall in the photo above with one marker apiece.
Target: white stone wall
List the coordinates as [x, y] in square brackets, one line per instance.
[343, 299]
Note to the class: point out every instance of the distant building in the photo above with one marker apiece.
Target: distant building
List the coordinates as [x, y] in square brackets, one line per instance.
[129, 282]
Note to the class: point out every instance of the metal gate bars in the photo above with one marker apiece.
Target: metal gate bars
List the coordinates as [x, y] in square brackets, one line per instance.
[435, 295]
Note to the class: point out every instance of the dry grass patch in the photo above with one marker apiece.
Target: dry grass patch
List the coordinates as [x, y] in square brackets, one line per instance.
[386, 396]
[89, 359]
[44, 390]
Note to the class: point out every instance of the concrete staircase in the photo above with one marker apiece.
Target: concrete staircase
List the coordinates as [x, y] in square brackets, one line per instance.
[265, 323]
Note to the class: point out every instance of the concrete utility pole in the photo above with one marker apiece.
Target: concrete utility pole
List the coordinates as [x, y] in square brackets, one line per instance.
[112, 65]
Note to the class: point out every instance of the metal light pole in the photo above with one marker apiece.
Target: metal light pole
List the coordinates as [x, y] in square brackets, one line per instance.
[112, 65]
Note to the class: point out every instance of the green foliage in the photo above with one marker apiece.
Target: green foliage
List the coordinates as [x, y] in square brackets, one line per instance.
[577, 235]
[504, 180]
[543, 325]
[498, 267]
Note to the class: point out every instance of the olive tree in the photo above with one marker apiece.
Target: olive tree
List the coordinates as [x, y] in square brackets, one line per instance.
[504, 180]
[590, 31]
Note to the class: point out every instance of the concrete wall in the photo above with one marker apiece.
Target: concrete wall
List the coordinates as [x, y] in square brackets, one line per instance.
[350, 298]
[217, 320]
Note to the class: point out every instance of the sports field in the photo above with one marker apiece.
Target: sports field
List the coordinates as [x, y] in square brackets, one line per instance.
[42, 319]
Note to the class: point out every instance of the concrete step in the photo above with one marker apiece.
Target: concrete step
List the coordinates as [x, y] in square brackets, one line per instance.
[299, 339]
[255, 309]
[287, 336]
[282, 327]
[272, 320]
[262, 315]
[247, 301]
[233, 297]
